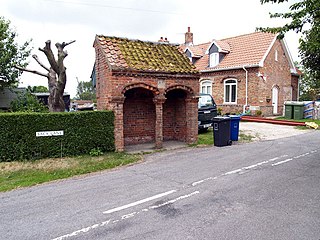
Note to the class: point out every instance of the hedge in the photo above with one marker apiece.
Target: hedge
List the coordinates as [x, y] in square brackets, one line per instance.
[83, 131]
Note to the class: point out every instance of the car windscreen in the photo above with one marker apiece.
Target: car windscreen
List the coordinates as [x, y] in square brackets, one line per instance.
[205, 101]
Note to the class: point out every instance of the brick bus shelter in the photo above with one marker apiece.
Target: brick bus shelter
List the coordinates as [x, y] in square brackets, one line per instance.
[152, 88]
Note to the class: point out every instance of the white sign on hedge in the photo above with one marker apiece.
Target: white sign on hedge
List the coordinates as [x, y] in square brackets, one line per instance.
[49, 133]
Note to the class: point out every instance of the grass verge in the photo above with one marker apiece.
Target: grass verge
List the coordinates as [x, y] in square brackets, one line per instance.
[206, 138]
[301, 120]
[25, 174]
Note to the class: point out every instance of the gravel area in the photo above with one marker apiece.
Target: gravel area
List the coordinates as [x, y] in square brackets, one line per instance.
[267, 131]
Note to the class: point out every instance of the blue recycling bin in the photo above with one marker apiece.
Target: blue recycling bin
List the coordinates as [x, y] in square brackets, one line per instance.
[234, 127]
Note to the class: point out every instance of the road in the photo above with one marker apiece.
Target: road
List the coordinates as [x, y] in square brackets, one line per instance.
[261, 190]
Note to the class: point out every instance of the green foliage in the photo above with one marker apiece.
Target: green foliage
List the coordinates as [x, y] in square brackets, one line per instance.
[26, 102]
[219, 111]
[11, 54]
[85, 91]
[37, 89]
[83, 131]
[304, 18]
[95, 152]
[309, 86]
[258, 113]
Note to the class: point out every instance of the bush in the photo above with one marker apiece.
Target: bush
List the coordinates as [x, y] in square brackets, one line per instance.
[83, 131]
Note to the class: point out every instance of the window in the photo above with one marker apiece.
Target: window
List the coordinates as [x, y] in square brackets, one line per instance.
[206, 87]
[230, 91]
[276, 55]
[214, 59]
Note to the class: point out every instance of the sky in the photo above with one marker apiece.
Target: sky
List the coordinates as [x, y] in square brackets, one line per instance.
[81, 20]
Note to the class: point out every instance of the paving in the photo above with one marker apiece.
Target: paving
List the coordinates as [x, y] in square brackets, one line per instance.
[259, 131]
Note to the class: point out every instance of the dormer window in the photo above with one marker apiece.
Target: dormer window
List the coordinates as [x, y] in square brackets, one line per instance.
[214, 59]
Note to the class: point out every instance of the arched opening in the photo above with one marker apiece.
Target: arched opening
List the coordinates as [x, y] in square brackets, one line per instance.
[174, 115]
[139, 116]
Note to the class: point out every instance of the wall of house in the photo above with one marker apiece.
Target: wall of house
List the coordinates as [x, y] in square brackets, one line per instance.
[278, 74]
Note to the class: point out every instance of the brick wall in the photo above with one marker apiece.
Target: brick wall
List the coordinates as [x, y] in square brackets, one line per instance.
[139, 117]
[174, 116]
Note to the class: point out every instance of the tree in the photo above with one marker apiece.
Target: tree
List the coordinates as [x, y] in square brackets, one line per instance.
[305, 19]
[309, 88]
[56, 74]
[26, 102]
[38, 89]
[11, 54]
[85, 91]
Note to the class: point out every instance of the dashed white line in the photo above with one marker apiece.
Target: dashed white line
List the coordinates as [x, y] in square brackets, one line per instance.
[83, 230]
[139, 202]
[281, 162]
[174, 200]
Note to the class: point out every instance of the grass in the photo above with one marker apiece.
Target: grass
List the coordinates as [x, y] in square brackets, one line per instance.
[25, 174]
[206, 138]
[301, 120]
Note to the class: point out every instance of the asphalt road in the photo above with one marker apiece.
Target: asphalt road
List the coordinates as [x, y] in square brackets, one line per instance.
[261, 190]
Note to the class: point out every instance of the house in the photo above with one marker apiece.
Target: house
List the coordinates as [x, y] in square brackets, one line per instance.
[7, 95]
[253, 69]
[151, 87]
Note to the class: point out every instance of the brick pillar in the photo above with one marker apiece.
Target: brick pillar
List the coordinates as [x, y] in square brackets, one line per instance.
[117, 107]
[192, 119]
[159, 101]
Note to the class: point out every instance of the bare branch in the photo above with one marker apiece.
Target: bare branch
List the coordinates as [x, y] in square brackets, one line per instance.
[41, 64]
[31, 71]
[66, 44]
[49, 54]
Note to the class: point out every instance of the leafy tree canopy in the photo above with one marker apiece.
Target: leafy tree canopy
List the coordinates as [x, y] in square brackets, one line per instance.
[85, 91]
[11, 54]
[37, 89]
[304, 16]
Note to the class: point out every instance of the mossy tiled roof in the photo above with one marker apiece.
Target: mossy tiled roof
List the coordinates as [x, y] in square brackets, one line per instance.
[126, 54]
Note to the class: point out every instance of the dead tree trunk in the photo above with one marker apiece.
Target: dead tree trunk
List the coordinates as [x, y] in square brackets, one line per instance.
[56, 74]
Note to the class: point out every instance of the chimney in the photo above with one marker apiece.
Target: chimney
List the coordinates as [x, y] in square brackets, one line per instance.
[188, 38]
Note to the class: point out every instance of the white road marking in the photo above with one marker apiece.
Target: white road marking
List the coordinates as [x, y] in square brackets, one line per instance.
[174, 200]
[83, 230]
[130, 215]
[124, 217]
[232, 172]
[281, 162]
[139, 202]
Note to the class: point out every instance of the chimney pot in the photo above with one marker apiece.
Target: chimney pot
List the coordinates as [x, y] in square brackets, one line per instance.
[188, 38]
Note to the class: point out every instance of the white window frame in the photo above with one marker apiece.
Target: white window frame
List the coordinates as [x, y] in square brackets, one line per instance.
[225, 84]
[276, 55]
[214, 59]
[205, 85]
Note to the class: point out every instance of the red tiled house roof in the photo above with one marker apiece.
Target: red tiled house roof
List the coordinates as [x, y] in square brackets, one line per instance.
[245, 50]
[134, 55]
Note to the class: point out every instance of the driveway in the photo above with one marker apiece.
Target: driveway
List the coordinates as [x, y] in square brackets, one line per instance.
[267, 131]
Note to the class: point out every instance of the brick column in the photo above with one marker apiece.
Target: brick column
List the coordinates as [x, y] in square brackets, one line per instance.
[117, 107]
[192, 119]
[159, 101]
